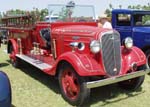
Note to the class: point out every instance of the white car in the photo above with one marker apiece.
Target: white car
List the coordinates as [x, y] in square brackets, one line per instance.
[51, 18]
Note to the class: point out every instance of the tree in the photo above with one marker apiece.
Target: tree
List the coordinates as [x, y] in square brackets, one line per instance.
[111, 6]
[67, 11]
[0, 17]
[38, 14]
[138, 7]
[120, 6]
[43, 13]
[108, 10]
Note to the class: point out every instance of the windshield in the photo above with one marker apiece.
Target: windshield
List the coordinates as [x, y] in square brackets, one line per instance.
[71, 13]
[142, 19]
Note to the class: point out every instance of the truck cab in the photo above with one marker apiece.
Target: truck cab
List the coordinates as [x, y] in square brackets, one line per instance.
[134, 24]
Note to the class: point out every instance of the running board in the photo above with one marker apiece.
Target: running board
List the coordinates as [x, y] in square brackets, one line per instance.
[35, 62]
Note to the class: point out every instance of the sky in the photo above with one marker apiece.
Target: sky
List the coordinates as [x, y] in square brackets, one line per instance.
[100, 5]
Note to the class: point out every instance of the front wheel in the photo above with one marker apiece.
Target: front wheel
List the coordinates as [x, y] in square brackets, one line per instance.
[72, 86]
[133, 84]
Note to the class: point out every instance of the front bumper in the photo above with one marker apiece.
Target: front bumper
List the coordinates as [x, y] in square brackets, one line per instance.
[116, 79]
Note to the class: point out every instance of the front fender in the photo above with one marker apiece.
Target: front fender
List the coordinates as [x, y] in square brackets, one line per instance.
[83, 64]
[135, 55]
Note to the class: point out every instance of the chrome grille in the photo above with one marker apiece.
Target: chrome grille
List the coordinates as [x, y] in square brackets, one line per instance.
[111, 53]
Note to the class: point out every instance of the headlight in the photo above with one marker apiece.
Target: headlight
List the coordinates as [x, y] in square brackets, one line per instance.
[81, 46]
[95, 46]
[128, 42]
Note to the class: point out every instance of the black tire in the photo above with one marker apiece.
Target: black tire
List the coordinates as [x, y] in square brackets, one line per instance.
[15, 63]
[147, 53]
[133, 84]
[72, 86]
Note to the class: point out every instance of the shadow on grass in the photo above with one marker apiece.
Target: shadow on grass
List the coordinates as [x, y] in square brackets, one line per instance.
[8, 61]
[105, 94]
[50, 81]
[13, 105]
[4, 64]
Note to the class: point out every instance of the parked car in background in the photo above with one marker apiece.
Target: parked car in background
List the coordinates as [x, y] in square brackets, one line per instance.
[4, 36]
[134, 24]
[51, 18]
[5, 90]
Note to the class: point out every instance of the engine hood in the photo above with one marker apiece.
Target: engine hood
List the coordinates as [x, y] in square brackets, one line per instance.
[82, 30]
[142, 29]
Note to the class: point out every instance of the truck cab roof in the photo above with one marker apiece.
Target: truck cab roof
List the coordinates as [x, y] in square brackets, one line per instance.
[129, 11]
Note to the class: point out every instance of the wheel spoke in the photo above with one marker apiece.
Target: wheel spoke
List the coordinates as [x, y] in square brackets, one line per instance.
[70, 84]
[74, 86]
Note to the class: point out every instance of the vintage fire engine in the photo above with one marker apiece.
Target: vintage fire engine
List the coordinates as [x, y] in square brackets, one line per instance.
[72, 48]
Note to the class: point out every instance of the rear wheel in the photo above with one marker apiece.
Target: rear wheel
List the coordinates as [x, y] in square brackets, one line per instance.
[72, 86]
[133, 84]
[147, 53]
[15, 61]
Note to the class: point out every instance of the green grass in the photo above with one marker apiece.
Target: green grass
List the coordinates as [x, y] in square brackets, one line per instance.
[33, 88]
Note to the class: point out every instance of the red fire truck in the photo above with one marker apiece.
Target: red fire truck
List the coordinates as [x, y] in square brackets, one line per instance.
[72, 48]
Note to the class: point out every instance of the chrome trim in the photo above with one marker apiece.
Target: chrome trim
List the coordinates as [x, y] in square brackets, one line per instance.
[54, 48]
[19, 45]
[35, 62]
[116, 79]
[134, 64]
[91, 46]
[74, 45]
[106, 49]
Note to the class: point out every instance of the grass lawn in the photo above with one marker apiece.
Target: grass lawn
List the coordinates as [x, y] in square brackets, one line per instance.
[32, 88]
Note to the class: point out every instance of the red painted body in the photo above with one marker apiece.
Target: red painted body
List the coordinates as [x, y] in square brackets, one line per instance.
[84, 62]
[76, 51]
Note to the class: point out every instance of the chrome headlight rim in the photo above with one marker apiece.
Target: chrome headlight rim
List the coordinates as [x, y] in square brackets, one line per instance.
[81, 46]
[95, 46]
[128, 42]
